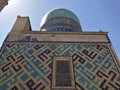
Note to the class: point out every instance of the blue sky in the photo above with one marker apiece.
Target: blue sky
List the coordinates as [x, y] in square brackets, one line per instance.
[94, 15]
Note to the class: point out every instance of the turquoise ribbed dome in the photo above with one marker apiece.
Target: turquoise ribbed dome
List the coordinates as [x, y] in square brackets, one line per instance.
[59, 13]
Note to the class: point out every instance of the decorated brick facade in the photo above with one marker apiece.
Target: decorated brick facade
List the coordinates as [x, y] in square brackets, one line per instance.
[27, 59]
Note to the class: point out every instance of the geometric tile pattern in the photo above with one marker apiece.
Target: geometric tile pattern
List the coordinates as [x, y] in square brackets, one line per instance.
[98, 72]
[29, 66]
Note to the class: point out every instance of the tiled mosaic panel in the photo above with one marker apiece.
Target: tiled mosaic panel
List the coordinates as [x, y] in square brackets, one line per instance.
[28, 67]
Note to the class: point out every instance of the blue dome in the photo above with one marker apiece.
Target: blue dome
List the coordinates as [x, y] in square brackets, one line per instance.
[59, 13]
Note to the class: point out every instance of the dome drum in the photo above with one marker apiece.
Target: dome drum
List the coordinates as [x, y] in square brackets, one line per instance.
[61, 24]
